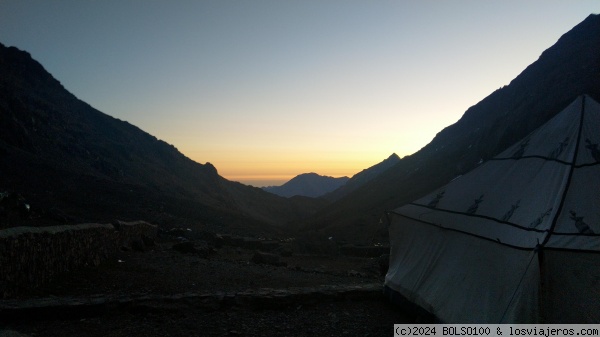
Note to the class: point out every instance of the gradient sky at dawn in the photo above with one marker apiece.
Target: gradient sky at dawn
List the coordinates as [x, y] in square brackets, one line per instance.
[266, 90]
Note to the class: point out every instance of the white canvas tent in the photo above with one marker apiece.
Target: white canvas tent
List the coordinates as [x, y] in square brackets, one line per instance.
[517, 240]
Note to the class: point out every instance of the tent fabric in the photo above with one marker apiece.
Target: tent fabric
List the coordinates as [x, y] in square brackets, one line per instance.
[475, 250]
[572, 292]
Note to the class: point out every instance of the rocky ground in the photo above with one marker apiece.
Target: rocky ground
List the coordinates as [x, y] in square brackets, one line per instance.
[346, 318]
[206, 291]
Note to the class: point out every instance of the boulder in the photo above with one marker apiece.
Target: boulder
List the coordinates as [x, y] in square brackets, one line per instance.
[251, 243]
[180, 232]
[199, 248]
[186, 247]
[266, 258]
[363, 251]
[138, 245]
[269, 245]
[286, 251]
[148, 241]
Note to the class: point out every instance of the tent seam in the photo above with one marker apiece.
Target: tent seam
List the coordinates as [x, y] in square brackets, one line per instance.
[463, 232]
[570, 176]
[482, 217]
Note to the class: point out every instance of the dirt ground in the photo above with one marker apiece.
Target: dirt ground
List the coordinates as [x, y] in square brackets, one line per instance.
[162, 270]
[363, 318]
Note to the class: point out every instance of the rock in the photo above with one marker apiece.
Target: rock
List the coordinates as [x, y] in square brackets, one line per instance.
[363, 251]
[269, 245]
[294, 267]
[218, 241]
[203, 249]
[136, 235]
[179, 232]
[251, 243]
[237, 241]
[148, 241]
[354, 273]
[315, 244]
[286, 251]
[186, 247]
[226, 239]
[199, 248]
[11, 333]
[384, 264]
[138, 245]
[266, 258]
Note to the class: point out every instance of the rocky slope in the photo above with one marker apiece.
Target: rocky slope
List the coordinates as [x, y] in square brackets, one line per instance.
[363, 177]
[569, 68]
[62, 154]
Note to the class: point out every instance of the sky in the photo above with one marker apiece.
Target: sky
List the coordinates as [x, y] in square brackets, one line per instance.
[267, 90]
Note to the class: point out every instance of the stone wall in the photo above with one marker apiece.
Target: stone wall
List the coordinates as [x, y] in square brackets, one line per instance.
[31, 256]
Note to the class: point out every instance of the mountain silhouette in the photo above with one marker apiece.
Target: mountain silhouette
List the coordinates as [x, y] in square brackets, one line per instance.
[363, 177]
[567, 69]
[308, 185]
[62, 154]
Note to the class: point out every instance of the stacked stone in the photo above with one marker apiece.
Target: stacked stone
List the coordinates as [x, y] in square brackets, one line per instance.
[32, 256]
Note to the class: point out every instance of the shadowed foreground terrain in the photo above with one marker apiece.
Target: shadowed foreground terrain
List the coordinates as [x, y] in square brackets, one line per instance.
[208, 291]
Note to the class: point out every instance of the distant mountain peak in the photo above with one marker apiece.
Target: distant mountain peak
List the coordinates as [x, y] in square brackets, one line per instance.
[393, 157]
[310, 174]
[211, 168]
[564, 71]
[308, 185]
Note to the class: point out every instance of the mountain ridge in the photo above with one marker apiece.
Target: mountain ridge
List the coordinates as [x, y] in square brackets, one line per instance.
[363, 177]
[307, 184]
[565, 70]
[62, 153]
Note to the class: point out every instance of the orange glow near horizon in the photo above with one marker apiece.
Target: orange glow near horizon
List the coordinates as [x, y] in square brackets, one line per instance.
[269, 90]
[271, 153]
[279, 168]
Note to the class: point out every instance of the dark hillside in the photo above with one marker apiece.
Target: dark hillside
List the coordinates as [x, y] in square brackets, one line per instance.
[75, 163]
[363, 177]
[569, 68]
